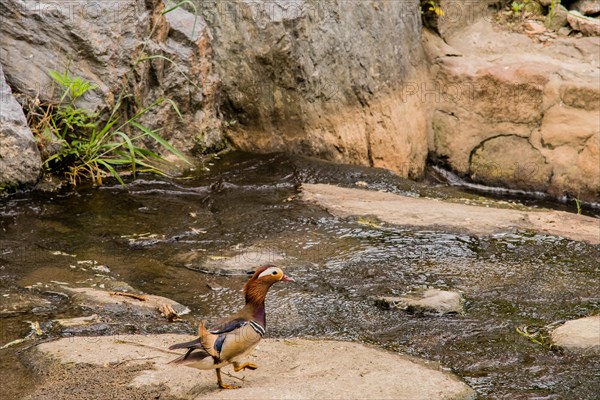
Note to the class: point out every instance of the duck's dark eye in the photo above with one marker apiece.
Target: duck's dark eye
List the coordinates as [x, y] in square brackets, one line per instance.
[274, 272]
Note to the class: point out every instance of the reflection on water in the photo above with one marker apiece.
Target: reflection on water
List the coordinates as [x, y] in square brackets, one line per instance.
[157, 233]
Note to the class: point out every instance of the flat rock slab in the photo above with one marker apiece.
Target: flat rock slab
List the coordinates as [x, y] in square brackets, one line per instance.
[579, 335]
[288, 369]
[80, 321]
[402, 210]
[234, 261]
[119, 302]
[427, 300]
[242, 261]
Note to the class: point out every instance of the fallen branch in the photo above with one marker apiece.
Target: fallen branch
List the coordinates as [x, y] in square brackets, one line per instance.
[148, 346]
[169, 313]
[130, 295]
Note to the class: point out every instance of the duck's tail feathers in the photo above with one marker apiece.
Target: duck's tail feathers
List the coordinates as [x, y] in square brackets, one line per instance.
[191, 357]
[186, 345]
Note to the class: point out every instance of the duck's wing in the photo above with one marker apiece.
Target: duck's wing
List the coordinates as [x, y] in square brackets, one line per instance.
[238, 342]
[229, 326]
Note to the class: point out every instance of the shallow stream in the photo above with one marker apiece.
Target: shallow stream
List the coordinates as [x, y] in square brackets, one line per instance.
[157, 233]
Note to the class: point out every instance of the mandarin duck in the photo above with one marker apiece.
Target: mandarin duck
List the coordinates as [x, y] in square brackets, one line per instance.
[238, 335]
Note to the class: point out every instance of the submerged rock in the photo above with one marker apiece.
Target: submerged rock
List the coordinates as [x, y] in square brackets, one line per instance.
[427, 300]
[288, 369]
[579, 335]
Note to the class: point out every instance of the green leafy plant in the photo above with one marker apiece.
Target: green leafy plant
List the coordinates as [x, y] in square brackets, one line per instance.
[92, 150]
[431, 7]
[516, 7]
[75, 86]
[536, 336]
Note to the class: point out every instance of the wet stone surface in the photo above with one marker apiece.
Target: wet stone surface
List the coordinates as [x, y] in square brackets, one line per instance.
[426, 301]
[580, 335]
[508, 279]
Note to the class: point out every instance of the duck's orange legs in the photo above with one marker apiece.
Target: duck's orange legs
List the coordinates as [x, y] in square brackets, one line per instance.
[237, 367]
[221, 384]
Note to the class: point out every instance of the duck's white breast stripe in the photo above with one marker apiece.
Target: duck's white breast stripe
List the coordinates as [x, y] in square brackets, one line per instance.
[257, 327]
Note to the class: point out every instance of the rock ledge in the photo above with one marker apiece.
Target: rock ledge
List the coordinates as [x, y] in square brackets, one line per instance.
[288, 369]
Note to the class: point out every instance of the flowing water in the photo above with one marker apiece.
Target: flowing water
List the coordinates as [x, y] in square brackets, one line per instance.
[157, 233]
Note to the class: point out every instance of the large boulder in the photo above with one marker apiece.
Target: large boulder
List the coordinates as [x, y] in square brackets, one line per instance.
[20, 161]
[323, 79]
[514, 113]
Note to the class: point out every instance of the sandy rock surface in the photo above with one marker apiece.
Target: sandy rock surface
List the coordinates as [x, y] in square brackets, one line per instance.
[288, 369]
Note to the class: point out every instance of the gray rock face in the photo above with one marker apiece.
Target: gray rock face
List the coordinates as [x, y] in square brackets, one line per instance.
[101, 42]
[427, 300]
[20, 161]
[318, 78]
[323, 79]
[579, 335]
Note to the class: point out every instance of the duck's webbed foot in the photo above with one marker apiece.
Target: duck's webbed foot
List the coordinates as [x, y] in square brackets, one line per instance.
[237, 367]
[223, 385]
